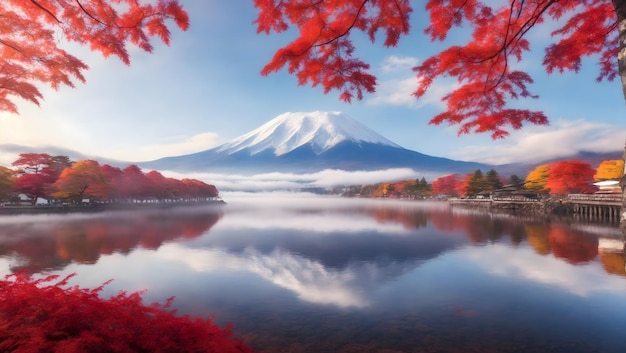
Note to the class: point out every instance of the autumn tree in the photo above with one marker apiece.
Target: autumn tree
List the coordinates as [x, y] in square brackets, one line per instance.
[197, 189]
[134, 183]
[463, 187]
[7, 180]
[389, 189]
[323, 53]
[445, 185]
[32, 163]
[609, 170]
[115, 178]
[37, 173]
[30, 48]
[83, 179]
[537, 178]
[158, 185]
[570, 177]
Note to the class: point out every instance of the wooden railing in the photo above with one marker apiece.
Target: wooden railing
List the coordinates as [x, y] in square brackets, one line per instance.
[595, 198]
[514, 198]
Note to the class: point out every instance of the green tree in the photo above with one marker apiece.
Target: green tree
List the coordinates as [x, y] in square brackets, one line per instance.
[516, 182]
[424, 189]
[492, 180]
[476, 183]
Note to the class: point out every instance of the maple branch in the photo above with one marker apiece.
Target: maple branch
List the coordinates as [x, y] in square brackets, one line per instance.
[313, 45]
[521, 32]
[89, 14]
[17, 49]
[116, 25]
[508, 42]
[45, 10]
[347, 29]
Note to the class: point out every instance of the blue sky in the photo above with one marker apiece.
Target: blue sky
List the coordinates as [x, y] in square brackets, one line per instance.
[206, 89]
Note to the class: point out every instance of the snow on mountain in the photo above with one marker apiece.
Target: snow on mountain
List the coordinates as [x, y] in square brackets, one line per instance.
[288, 131]
[307, 143]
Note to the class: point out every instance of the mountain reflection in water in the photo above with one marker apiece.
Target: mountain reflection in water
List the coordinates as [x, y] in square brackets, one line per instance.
[339, 275]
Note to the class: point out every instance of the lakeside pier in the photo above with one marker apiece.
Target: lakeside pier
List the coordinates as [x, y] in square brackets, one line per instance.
[591, 206]
[598, 206]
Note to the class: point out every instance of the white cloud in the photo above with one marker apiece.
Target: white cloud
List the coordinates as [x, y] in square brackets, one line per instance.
[563, 138]
[322, 223]
[397, 63]
[581, 280]
[289, 181]
[399, 92]
[11, 147]
[308, 279]
[395, 92]
[179, 146]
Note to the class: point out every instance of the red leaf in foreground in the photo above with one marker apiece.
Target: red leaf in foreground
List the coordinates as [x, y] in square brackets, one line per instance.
[47, 315]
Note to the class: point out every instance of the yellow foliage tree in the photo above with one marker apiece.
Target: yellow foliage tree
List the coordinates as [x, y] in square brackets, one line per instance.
[7, 179]
[610, 170]
[537, 178]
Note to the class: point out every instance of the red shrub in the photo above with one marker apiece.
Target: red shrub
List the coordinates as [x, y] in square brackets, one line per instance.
[47, 315]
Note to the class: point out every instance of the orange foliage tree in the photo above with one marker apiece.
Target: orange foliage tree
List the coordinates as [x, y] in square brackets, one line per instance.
[42, 175]
[609, 170]
[83, 179]
[323, 52]
[537, 178]
[29, 39]
[566, 177]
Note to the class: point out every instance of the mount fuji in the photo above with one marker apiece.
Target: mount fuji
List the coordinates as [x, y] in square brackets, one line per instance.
[309, 142]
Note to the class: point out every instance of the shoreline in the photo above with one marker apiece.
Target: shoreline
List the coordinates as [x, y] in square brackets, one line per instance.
[100, 207]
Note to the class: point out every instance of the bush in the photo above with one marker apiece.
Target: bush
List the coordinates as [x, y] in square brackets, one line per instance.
[47, 315]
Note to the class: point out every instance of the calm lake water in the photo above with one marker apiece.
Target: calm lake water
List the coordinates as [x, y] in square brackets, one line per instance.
[317, 274]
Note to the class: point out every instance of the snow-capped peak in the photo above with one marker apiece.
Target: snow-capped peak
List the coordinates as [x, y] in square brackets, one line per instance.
[288, 131]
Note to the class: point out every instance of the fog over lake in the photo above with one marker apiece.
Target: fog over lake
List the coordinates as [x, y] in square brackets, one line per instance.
[304, 273]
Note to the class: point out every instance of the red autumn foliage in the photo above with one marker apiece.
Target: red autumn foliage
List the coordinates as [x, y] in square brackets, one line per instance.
[568, 177]
[42, 249]
[48, 315]
[34, 185]
[445, 185]
[38, 171]
[462, 186]
[572, 246]
[57, 177]
[323, 52]
[31, 50]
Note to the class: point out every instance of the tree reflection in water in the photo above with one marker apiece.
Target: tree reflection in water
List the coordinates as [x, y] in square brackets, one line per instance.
[368, 276]
[45, 244]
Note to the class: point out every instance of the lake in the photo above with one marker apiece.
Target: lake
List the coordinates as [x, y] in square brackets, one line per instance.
[301, 273]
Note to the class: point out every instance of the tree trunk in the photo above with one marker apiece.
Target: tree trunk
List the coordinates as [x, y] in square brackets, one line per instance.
[620, 9]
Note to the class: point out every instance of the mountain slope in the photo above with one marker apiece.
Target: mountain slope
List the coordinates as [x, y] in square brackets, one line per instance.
[289, 131]
[310, 142]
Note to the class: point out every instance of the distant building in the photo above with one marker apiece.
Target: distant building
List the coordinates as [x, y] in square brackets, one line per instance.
[608, 187]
